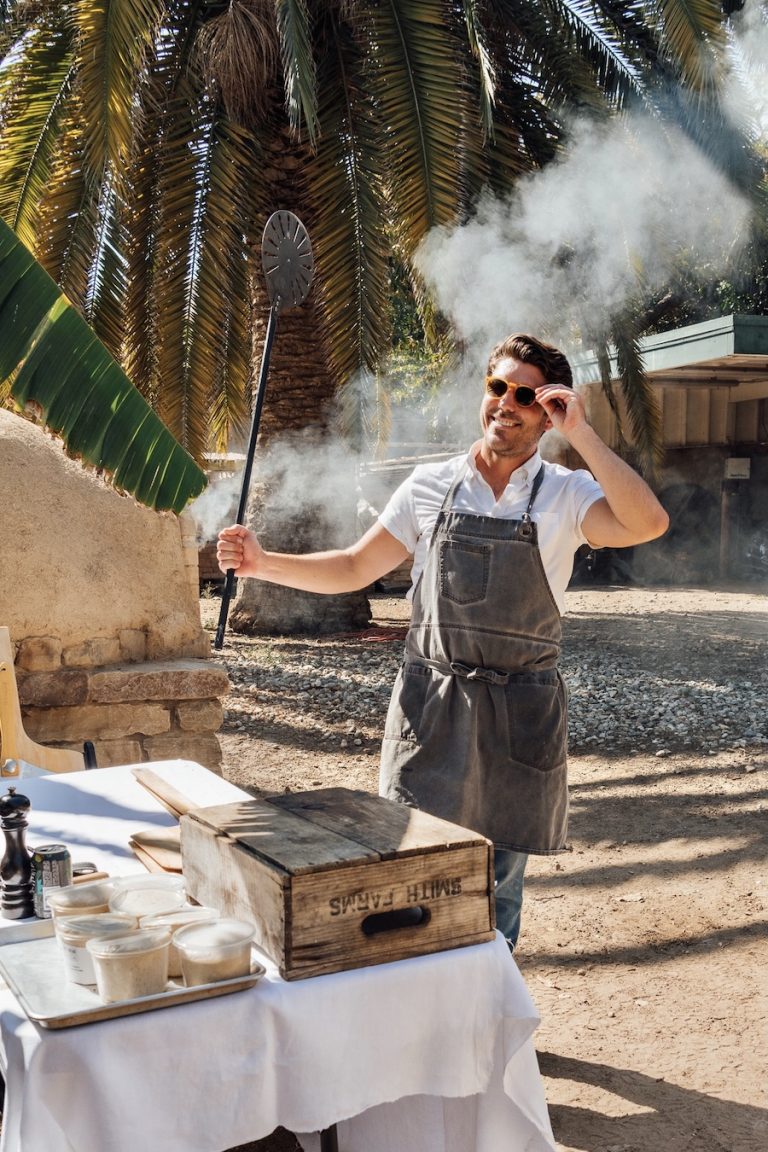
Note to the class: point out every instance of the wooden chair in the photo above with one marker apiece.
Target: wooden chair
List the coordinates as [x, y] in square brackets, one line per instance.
[14, 742]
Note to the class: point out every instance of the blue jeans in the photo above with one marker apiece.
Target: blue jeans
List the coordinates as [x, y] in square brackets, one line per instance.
[509, 868]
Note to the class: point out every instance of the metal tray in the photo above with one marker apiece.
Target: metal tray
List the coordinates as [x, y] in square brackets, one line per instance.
[32, 966]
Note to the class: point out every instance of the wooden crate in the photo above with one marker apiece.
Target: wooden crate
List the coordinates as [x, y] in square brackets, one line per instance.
[336, 879]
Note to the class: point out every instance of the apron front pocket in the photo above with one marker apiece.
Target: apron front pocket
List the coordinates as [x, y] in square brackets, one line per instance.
[537, 723]
[464, 571]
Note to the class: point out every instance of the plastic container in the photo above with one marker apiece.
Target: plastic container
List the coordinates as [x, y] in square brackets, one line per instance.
[174, 921]
[214, 950]
[74, 932]
[148, 895]
[80, 900]
[128, 967]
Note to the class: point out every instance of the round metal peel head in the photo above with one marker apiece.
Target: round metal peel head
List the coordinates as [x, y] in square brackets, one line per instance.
[286, 256]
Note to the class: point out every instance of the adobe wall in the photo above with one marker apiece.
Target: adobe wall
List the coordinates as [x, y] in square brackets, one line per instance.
[100, 596]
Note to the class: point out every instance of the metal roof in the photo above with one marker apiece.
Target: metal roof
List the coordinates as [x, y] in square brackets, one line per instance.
[729, 352]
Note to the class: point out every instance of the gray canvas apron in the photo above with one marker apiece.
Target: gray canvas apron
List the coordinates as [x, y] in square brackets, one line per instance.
[476, 728]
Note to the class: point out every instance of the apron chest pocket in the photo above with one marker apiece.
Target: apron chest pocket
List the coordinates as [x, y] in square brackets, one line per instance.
[464, 571]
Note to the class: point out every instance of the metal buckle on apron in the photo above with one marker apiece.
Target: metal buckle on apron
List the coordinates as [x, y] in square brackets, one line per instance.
[525, 531]
[488, 675]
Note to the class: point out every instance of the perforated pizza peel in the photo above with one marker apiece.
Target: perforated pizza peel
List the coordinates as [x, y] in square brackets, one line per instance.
[289, 266]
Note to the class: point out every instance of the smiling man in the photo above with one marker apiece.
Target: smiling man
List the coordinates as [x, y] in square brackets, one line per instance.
[476, 729]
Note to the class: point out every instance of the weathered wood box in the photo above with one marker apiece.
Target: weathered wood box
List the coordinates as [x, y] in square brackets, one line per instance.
[337, 879]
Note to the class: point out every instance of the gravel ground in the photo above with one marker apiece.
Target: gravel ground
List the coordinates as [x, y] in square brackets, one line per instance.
[647, 671]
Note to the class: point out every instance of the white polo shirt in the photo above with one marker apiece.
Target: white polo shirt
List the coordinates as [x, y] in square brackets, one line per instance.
[559, 509]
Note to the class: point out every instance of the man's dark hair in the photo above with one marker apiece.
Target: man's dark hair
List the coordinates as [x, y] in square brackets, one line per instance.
[549, 360]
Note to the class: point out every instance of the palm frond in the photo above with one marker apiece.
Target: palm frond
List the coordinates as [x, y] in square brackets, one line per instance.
[178, 241]
[194, 177]
[421, 87]
[33, 93]
[168, 86]
[140, 245]
[640, 401]
[59, 364]
[345, 179]
[113, 39]
[69, 221]
[104, 305]
[478, 41]
[581, 32]
[63, 212]
[219, 341]
[691, 33]
[541, 45]
[204, 219]
[293, 27]
[526, 134]
[605, 366]
[18, 16]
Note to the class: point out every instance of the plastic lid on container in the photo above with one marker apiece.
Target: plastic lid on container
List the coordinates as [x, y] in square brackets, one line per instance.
[179, 916]
[212, 934]
[147, 901]
[150, 880]
[81, 895]
[82, 928]
[142, 940]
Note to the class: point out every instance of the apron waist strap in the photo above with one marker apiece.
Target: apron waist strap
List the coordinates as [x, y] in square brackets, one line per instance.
[466, 671]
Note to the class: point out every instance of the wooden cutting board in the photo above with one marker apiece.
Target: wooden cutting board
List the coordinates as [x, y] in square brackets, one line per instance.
[159, 849]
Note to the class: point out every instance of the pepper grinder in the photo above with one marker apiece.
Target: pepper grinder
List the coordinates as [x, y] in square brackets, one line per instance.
[16, 900]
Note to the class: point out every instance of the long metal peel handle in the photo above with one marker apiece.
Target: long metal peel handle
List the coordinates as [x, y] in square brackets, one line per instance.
[229, 583]
[289, 268]
[226, 596]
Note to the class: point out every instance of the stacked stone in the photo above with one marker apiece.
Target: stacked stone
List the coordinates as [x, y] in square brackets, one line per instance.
[104, 690]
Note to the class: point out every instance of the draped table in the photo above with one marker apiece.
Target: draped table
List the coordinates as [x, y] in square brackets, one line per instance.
[433, 1054]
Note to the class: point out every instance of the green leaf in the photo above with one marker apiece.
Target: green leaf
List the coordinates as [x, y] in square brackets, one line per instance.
[293, 25]
[60, 365]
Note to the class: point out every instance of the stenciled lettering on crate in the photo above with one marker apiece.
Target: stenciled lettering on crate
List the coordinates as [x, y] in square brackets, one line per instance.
[337, 879]
[378, 900]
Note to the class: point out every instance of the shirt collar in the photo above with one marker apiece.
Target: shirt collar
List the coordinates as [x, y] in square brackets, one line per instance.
[520, 480]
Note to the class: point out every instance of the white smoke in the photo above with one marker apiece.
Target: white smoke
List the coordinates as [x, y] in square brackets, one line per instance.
[216, 507]
[584, 236]
[300, 472]
[747, 86]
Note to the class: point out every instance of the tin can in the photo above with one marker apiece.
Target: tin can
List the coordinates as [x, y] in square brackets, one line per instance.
[52, 868]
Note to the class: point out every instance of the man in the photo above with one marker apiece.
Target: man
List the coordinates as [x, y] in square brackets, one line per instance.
[476, 728]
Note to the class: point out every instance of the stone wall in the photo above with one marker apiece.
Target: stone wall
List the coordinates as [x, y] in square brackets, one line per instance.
[131, 712]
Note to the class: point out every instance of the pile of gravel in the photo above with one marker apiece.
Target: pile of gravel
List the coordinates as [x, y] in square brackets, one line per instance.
[621, 706]
[633, 698]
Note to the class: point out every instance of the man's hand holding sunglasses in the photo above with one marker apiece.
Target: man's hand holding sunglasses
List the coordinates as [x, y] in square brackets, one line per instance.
[564, 407]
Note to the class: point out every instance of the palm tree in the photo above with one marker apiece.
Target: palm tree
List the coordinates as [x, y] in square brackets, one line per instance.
[143, 144]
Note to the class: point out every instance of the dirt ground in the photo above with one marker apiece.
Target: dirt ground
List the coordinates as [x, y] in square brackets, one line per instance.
[645, 945]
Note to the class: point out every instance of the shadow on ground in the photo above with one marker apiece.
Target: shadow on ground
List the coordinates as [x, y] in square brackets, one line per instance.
[657, 1114]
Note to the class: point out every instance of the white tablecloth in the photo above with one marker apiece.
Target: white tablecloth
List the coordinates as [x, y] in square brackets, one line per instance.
[426, 1055]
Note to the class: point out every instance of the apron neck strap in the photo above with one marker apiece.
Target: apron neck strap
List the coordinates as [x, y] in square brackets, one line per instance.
[448, 500]
[538, 480]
